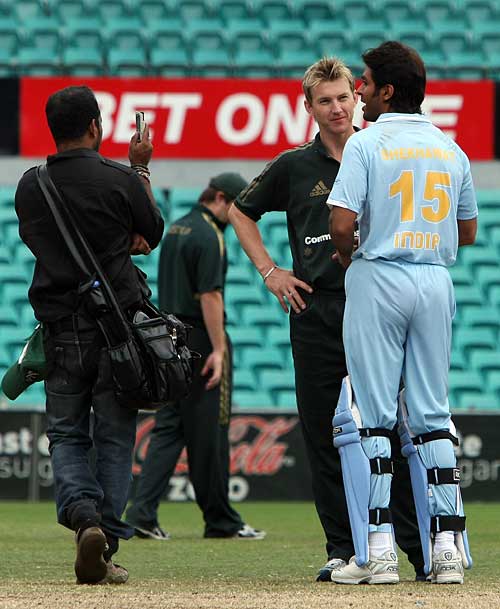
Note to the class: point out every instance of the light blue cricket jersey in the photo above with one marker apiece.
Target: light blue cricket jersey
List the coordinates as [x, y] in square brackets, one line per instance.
[409, 183]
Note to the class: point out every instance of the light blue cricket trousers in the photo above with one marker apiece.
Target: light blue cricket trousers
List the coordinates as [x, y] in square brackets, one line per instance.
[397, 322]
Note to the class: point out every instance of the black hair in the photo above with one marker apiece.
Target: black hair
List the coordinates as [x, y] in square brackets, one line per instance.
[209, 194]
[70, 111]
[402, 67]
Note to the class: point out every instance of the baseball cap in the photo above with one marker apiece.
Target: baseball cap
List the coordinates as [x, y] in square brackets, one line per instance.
[230, 183]
[29, 368]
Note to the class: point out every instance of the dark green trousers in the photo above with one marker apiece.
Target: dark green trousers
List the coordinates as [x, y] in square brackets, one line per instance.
[200, 422]
[316, 337]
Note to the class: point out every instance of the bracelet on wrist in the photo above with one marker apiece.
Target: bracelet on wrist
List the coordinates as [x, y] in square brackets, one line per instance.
[266, 275]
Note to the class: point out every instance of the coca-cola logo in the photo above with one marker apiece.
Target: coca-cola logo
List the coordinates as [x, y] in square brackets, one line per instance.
[258, 446]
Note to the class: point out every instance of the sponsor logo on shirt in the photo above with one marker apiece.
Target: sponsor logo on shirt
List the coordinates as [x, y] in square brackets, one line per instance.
[319, 190]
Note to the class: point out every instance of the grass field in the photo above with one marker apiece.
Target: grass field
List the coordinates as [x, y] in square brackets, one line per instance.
[36, 566]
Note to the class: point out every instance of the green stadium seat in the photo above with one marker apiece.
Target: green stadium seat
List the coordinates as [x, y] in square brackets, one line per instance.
[314, 10]
[397, 11]
[84, 34]
[263, 317]
[329, 38]
[493, 382]
[261, 358]
[488, 276]
[247, 36]
[478, 12]
[127, 62]
[152, 11]
[478, 401]
[9, 37]
[79, 61]
[355, 10]
[125, 33]
[14, 294]
[286, 399]
[8, 317]
[488, 199]
[474, 257]
[292, 64]
[170, 62]
[212, 63]
[31, 61]
[465, 380]
[486, 36]
[239, 296]
[108, 10]
[438, 11]
[5, 255]
[241, 274]
[468, 65]
[272, 10]
[278, 337]
[466, 339]
[461, 275]
[458, 361]
[286, 39]
[244, 380]
[233, 9]
[468, 295]
[255, 64]
[492, 66]
[481, 317]
[69, 10]
[273, 381]
[193, 9]
[26, 9]
[485, 360]
[252, 399]
[243, 337]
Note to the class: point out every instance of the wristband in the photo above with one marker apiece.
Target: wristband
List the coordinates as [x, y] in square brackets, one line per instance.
[264, 277]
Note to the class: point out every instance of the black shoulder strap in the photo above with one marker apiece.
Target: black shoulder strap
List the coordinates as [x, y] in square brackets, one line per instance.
[79, 248]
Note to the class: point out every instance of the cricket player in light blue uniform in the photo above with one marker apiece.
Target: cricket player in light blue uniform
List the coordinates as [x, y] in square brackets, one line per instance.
[409, 187]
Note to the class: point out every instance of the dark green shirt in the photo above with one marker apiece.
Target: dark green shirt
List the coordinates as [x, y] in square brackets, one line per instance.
[192, 261]
[298, 182]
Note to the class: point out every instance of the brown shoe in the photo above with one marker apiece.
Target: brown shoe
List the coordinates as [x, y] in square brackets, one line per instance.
[115, 574]
[90, 566]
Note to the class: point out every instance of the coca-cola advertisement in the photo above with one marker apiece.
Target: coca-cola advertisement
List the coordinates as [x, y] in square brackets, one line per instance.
[266, 459]
[236, 118]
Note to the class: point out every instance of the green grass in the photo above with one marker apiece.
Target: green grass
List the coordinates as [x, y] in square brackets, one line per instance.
[40, 550]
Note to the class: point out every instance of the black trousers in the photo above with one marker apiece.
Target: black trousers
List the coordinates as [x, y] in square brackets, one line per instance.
[201, 423]
[318, 353]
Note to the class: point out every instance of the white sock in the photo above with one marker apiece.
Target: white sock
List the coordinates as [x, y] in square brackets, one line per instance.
[379, 543]
[445, 540]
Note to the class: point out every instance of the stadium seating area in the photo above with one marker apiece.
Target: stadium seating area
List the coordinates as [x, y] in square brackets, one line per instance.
[259, 328]
[247, 38]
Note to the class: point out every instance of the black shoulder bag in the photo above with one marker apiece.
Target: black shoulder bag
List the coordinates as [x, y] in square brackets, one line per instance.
[150, 360]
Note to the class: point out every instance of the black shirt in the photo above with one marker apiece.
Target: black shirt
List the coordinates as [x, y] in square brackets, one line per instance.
[192, 261]
[298, 182]
[109, 203]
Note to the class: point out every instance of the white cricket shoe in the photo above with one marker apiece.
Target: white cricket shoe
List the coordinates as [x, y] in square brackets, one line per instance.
[381, 570]
[447, 568]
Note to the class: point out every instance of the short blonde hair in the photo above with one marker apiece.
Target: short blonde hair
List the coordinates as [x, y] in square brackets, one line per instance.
[326, 69]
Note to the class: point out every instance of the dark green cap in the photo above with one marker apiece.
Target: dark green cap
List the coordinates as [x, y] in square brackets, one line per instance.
[29, 368]
[230, 183]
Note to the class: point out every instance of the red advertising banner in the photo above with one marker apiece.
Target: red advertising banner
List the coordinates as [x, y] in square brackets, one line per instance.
[232, 118]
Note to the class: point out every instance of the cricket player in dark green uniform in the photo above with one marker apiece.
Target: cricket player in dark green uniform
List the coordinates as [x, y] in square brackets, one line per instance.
[298, 182]
[191, 279]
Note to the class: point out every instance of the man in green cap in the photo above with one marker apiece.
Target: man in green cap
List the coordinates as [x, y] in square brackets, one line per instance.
[191, 278]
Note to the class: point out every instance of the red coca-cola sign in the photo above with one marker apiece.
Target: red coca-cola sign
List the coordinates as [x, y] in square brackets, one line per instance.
[258, 445]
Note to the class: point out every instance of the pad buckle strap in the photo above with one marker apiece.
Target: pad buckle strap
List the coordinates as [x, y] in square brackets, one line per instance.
[368, 432]
[447, 523]
[443, 475]
[441, 434]
[379, 516]
[381, 465]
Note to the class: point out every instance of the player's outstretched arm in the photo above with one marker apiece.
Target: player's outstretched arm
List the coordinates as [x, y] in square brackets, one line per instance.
[282, 283]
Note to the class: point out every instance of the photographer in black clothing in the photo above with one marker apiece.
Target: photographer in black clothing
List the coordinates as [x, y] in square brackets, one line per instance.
[298, 182]
[115, 210]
